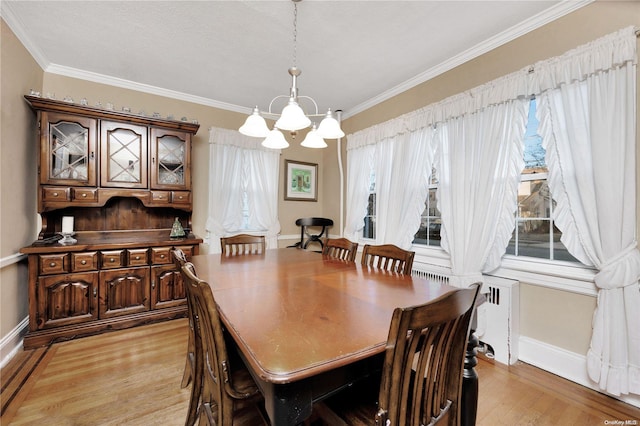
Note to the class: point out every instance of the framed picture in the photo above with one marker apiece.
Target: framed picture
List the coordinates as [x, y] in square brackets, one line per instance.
[301, 181]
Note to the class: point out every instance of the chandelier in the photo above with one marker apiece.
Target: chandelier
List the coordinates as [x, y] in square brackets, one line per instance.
[292, 118]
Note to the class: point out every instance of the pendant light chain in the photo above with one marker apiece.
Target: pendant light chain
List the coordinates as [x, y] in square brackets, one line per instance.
[295, 33]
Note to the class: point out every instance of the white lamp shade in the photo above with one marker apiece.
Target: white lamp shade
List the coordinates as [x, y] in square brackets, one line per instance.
[329, 127]
[313, 139]
[254, 125]
[275, 140]
[292, 117]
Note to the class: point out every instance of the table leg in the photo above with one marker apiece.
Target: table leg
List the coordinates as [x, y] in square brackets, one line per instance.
[469, 401]
[288, 405]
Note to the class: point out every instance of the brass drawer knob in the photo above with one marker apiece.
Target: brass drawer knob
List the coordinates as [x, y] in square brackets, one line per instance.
[83, 262]
[52, 264]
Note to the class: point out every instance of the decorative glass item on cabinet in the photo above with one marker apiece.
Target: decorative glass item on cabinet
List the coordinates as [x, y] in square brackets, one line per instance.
[177, 231]
[69, 151]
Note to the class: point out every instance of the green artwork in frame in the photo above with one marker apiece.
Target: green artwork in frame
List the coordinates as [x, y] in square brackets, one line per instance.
[301, 181]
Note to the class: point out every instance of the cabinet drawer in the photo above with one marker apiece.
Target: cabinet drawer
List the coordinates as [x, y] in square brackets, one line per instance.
[161, 255]
[56, 194]
[112, 259]
[181, 197]
[187, 250]
[87, 261]
[53, 263]
[88, 195]
[160, 196]
[137, 257]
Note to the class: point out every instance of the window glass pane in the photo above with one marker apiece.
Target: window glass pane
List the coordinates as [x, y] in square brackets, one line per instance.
[533, 238]
[429, 231]
[534, 153]
[533, 199]
[369, 230]
[560, 252]
[535, 235]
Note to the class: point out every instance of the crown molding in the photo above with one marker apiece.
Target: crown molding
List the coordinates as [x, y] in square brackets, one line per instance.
[12, 21]
[141, 87]
[563, 8]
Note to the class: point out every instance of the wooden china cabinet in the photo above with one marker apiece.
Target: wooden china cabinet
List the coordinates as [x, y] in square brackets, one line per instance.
[125, 179]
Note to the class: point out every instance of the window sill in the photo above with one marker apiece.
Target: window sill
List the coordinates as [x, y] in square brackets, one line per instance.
[565, 276]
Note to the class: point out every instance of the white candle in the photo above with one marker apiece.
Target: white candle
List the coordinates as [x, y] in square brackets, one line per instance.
[67, 224]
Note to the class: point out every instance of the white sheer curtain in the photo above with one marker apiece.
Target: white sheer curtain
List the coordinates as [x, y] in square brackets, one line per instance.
[479, 161]
[588, 127]
[408, 187]
[239, 167]
[402, 168]
[359, 165]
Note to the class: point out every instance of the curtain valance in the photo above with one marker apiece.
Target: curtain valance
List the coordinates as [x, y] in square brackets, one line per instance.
[221, 136]
[607, 52]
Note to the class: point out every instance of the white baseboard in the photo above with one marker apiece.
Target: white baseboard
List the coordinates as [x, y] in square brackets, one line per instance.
[563, 363]
[12, 342]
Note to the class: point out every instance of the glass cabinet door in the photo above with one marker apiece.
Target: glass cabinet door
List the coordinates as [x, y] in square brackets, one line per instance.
[69, 156]
[170, 159]
[124, 155]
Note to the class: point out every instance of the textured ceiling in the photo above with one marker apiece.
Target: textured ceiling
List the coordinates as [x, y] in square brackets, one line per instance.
[235, 54]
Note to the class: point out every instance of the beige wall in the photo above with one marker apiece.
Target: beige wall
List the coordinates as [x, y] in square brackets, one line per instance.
[555, 317]
[558, 318]
[18, 74]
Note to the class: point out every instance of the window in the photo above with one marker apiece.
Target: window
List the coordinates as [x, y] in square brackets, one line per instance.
[429, 231]
[369, 230]
[535, 234]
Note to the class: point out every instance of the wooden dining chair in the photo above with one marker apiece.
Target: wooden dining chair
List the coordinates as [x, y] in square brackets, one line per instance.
[389, 257]
[179, 260]
[222, 388]
[340, 248]
[423, 367]
[243, 244]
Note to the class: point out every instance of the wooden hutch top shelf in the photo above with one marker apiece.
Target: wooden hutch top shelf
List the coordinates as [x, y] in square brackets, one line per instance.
[39, 103]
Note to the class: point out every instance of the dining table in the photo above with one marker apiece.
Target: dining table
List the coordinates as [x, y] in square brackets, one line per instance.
[307, 325]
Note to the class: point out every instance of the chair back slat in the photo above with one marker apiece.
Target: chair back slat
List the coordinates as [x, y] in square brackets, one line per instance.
[340, 248]
[242, 244]
[424, 360]
[179, 260]
[388, 257]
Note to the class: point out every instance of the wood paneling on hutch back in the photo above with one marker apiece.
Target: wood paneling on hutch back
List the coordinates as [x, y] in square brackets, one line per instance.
[124, 178]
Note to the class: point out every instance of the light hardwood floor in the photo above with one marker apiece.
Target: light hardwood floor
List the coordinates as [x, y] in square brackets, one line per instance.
[132, 377]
